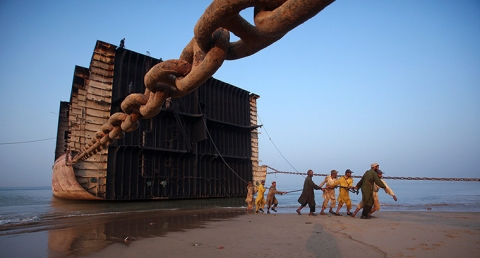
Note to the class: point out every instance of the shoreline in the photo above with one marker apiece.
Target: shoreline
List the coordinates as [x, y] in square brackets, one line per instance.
[220, 232]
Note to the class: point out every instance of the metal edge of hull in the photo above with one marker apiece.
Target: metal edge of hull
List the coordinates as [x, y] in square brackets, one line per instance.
[65, 184]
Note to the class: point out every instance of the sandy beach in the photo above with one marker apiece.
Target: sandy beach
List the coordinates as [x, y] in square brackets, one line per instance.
[391, 234]
[233, 233]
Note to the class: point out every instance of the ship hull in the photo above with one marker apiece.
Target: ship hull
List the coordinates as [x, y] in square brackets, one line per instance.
[65, 184]
[202, 145]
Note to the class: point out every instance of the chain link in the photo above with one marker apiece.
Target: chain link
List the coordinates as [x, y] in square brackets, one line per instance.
[203, 56]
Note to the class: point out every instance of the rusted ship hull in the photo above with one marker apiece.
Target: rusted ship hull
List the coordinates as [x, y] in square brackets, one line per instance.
[203, 145]
[65, 184]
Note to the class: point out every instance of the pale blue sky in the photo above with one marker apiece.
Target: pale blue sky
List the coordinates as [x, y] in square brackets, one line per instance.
[394, 82]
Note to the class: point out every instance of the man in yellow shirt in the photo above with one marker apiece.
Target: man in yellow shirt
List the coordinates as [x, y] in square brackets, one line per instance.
[260, 200]
[345, 183]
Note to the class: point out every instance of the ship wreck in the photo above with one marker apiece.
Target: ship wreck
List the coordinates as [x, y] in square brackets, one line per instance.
[202, 145]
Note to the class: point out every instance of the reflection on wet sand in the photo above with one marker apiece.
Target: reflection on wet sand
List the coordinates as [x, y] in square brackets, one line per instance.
[84, 236]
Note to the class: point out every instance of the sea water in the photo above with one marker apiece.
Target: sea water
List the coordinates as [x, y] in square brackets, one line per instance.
[24, 206]
[33, 208]
[412, 195]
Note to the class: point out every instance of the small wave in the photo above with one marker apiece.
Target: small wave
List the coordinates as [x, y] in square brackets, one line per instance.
[106, 213]
[10, 221]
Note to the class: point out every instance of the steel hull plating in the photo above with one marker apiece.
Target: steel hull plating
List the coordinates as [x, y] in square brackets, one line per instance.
[202, 145]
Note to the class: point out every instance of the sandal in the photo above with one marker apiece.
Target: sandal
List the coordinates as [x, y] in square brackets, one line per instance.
[349, 213]
[322, 213]
[274, 210]
[312, 214]
[331, 212]
[338, 214]
[298, 212]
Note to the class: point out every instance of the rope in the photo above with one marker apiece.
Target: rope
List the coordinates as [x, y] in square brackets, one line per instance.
[263, 126]
[210, 137]
[295, 191]
[5, 143]
[349, 189]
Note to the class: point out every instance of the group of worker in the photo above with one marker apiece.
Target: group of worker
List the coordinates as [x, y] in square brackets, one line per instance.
[260, 202]
[370, 184]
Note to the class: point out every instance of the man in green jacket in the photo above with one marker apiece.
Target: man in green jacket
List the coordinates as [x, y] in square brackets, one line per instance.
[308, 196]
[366, 184]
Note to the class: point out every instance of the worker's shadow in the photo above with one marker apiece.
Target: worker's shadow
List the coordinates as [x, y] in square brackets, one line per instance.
[322, 243]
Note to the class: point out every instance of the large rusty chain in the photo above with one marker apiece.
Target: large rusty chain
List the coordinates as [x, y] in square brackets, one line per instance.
[203, 56]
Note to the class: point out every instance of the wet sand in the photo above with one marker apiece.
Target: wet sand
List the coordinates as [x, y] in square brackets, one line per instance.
[232, 233]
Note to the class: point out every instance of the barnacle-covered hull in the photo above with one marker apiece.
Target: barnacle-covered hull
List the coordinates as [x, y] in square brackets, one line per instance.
[202, 145]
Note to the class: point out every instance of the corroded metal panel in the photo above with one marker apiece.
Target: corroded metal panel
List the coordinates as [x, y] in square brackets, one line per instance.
[62, 132]
[199, 146]
[259, 172]
[89, 108]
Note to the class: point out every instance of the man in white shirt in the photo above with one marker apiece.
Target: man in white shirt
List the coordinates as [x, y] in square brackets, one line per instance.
[376, 202]
[329, 193]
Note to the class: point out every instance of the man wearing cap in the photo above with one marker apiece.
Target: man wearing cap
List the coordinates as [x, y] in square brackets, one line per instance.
[308, 196]
[366, 184]
[388, 190]
[271, 200]
[329, 193]
[376, 202]
[345, 183]
[260, 200]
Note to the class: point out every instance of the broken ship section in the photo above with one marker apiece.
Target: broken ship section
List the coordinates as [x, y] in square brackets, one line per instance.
[202, 145]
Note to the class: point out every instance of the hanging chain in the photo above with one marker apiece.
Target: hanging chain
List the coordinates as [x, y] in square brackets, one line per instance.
[203, 56]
